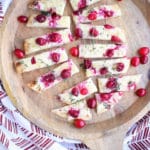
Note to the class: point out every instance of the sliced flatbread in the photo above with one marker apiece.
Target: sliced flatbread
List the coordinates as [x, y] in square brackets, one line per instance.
[81, 90]
[53, 77]
[74, 111]
[42, 60]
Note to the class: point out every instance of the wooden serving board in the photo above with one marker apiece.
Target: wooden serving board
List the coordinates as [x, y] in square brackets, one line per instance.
[105, 131]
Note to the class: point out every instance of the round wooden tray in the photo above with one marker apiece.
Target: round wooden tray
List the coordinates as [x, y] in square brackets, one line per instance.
[37, 107]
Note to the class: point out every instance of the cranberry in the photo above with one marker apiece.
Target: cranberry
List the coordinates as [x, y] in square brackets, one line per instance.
[33, 60]
[91, 102]
[144, 59]
[103, 71]
[94, 32]
[116, 39]
[108, 13]
[66, 73]
[79, 123]
[87, 63]
[107, 26]
[112, 83]
[135, 61]
[84, 91]
[92, 15]
[74, 51]
[41, 41]
[54, 37]
[78, 33]
[73, 113]
[75, 91]
[119, 67]
[23, 19]
[105, 96]
[19, 53]
[141, 92]
[41, 18]
[55, 16]
[82, 4]
[55, 57]
[143, 51]
[109, 53]
[78, 12]
[47, 79]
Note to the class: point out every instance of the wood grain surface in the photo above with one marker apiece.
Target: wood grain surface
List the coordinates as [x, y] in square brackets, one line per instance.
[103, 132]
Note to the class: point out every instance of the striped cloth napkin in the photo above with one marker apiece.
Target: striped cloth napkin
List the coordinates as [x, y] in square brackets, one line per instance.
[17, 133]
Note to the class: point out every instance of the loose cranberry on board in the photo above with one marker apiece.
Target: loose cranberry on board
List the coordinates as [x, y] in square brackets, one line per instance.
[19, 53]
[91, 103]
[144, 59]
[79, 123]
[23, 19]
[141, 92]
[87, 63]
[135, 61]
[74, 51]
[78, 33]
[143, 51]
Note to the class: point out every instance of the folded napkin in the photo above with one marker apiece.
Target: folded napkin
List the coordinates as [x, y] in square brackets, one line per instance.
[17, 133]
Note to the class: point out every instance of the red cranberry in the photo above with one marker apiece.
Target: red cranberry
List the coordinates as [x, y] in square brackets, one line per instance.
[92, 15]
[119, 67]
[116, 39]
[78, 12]
[107, 26]
[47, 79]
[55, 16]
[79, 123]
[82, 4]
[74, 51]
[112, 83]
[75, 91]
[94, 32]
[135, 61]
[103, 71]
[108, 13]
[54, 37]
[23, 19]
[105, 96]
[73, 113]
[33, 60]
[109, 53]
[41, 41]
[66, 73]
[143, 51]
[141, 92]
[19, 53]
[55, 57]
[87, 63]
[78, 33]
[144, 59]
[91, 102]
[84, 91]
[41, 18]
